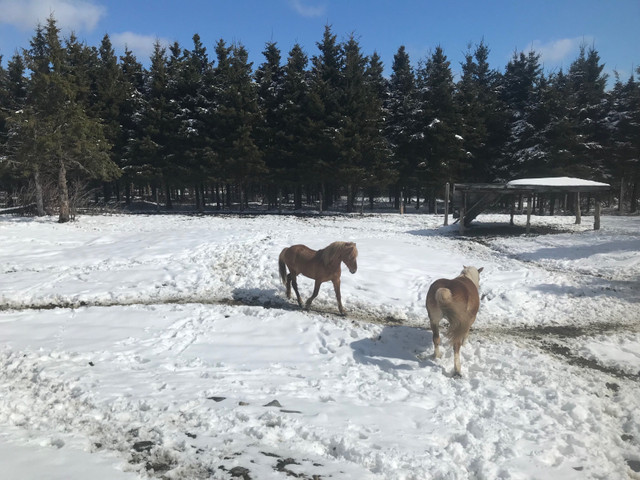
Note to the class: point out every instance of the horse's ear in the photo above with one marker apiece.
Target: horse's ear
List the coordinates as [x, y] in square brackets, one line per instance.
[480, 269]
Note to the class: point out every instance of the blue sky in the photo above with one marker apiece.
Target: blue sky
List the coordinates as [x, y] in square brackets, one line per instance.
[554, 28]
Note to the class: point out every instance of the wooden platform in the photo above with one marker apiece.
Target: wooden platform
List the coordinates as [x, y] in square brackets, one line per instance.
[471, 199]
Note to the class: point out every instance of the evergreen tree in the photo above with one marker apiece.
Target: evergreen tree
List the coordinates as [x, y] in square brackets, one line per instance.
[237, 116]
[195, 94]
[108, 99]
[520, 92]
[53, 133]
[379, 172]
[588, 106]
[179, 121]
[623, 122]
[270, 131]
[130, 137]
[25, 143]
[442, 148]
[296, 124]
[4, 105]
[402, 130]
[351, 137]
[153, 155]
[326, 114]
[481, 112]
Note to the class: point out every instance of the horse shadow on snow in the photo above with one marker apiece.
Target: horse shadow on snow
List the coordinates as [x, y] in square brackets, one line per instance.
[396, 348]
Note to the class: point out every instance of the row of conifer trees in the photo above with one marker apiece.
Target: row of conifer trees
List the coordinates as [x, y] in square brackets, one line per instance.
[211, 129]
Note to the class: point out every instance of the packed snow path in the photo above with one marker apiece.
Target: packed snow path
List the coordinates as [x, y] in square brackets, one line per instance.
[164, 347]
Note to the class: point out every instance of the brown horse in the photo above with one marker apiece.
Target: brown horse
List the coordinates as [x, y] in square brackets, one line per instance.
[458, 301]
[321, 266]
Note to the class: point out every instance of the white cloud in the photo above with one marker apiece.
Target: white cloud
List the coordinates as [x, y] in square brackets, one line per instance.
[74, 15]
[558, 51]
[301, 7]
[141, 45]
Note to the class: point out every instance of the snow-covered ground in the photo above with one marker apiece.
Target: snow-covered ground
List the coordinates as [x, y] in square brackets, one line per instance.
[163, 346]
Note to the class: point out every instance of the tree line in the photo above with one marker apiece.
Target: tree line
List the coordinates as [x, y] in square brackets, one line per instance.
[216, 131]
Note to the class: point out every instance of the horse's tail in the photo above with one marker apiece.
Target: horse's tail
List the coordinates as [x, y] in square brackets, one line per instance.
[282, 267]
[443, 296]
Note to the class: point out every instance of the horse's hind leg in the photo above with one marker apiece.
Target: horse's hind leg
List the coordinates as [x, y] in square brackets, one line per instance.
[456, 357]
[294, 282]
[288, 285]
[316, 290]
[435, 315]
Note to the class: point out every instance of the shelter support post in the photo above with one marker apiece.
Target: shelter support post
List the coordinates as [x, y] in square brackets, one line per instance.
[596, 215]
[446, 204]
[529, 207]
[578, 214]
[463, 212]
[512, 202]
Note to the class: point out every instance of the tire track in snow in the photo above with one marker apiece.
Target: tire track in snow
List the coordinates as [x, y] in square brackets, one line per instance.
[546, 338]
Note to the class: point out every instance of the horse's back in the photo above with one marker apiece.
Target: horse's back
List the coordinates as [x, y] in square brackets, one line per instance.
[297, 257]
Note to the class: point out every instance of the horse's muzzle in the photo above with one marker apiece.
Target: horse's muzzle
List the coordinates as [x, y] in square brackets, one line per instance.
[353, 270]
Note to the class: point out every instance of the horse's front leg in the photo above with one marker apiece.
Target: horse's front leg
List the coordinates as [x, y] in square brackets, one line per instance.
[294, 282]
[336, 287]
[316, 289]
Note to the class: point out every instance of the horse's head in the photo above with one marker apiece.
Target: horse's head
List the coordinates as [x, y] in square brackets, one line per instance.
[472, 273]
[349, 256]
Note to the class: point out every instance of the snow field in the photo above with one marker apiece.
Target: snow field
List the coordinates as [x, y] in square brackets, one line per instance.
[175, 353]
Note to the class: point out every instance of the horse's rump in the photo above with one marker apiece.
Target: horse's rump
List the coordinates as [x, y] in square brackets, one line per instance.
[282, 266]
[458, 300]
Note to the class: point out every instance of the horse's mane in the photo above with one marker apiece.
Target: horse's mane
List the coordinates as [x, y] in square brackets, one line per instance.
[336, 250]
[472, 273]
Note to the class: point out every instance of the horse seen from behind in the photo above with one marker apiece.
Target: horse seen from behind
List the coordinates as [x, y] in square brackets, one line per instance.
[458, 301]
[319, 265]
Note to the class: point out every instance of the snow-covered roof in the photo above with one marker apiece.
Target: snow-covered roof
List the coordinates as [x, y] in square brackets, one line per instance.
[556, 182]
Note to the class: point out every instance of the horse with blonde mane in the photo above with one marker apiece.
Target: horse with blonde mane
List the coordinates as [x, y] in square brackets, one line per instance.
[458, 301]
[319, 265]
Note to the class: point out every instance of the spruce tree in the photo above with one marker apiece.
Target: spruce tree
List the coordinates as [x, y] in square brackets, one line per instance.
[481, 112]
[521, 92]
[152, 161]
[129, 140]
[270, 130]
[623, 124]
[108, 98]
[375, 148]
[54, 133]
[442, 148]
[588, 102]
[351, 137]
[196, 99]
[326, 115]
[296, 150]
[237, 117]
[401, 129]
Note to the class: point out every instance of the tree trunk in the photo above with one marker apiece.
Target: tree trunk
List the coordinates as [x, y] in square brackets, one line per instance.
[297, 197]
[168, 201]
[39, 195]
[63, 191]
[634, 197]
